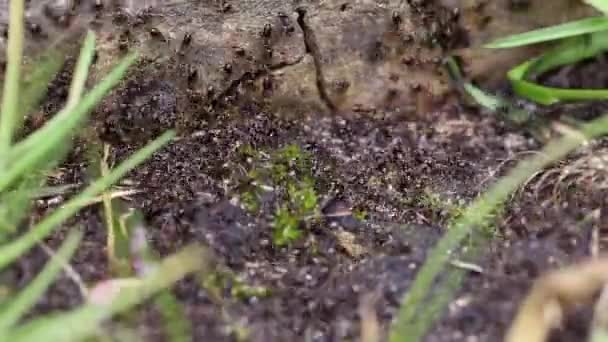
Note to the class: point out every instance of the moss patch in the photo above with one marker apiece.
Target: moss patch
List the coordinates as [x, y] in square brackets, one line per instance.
[287, 173]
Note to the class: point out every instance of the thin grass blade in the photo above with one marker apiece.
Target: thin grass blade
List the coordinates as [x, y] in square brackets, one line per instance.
[600, 5]
[475, 215]
[27, 297]
[10, 252]
[37, 81]
[77, 86]
[598, 336]
[493, 103]
[571, 29]
[120, 226]
[177, 325]
[416, 329]
[81, 72]
[487, 101]
[84, 322]
[9, 116]
[14, 204]
[570, 51]
[39, 144]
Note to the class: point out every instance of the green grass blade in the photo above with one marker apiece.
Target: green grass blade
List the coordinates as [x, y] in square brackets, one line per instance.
[531, 90]
[31, 152]
[493, 103]
[598, 335]
[476, 214]
[485, 100]
[37, 81]
[600, 5]
[27, 297]
[120, 226]
[571, 29]
[416, 329]
[9, 115]
[37, 76]
[177, 326]
[10, 252]
[15, 204]
[84, 321]
[81, 71]
[570, 51]
[549, 95]
[499, 105]
[68, 118]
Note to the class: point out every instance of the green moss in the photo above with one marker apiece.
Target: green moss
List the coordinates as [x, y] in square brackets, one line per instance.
[247, 151]
[303, 197]
[279, 173]
[301, 206]
[250, 201]
[431, 200]
[243, 291]
[313, 247]
[360, 214]
[293, 155]
[286, 227]
[287, 162]
[435, 203]
[288, 170]
[214, 283]
[219, 282]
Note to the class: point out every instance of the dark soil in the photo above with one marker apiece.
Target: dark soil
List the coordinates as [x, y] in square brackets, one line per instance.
[359, 88]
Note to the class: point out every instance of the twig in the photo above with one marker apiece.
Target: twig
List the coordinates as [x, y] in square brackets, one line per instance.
[467, 266]
[68, 269]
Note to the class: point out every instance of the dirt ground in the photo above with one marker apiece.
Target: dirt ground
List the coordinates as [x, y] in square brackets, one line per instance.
[358, 92]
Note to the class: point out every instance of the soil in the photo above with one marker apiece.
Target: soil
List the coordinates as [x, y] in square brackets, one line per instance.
[392, 150]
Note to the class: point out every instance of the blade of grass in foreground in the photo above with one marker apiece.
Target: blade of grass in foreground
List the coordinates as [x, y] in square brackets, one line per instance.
[71, 110]
[26, 298]
[32, 151]
[84, 322]
[571, 29]
[16, 204]
[493, 103]
[600, 5]
[177, 325]
[414, 302]
[598, 336]
[434, 307]
[9, 116]
[37, 81]
[11, 251]
[569, 51]
[81, 73]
